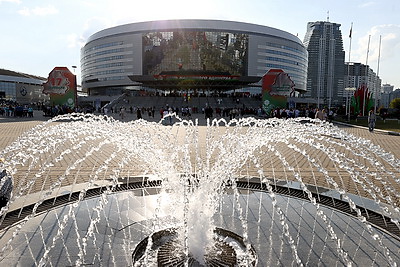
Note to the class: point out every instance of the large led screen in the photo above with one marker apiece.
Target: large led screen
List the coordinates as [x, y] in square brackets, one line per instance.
[195, 50]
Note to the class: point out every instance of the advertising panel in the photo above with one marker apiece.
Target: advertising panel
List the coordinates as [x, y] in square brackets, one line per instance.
[61, 86]
[276, 88]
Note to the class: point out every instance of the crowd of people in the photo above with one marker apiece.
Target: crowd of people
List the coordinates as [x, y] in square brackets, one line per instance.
[55, 110]
[209, 112]
[323, 114]
[184, 112]
[10, 109]
[13, 109]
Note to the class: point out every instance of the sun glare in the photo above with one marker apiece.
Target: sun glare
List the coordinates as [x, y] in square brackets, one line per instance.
[158, 10]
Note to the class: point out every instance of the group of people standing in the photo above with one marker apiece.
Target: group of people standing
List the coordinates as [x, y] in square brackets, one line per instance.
[322, 114]
[16, 110]
[313, 113]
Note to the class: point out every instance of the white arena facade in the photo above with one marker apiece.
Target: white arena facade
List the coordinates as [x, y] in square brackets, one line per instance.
[123, 57]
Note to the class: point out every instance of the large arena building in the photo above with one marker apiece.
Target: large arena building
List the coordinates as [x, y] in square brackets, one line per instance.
[188, 54]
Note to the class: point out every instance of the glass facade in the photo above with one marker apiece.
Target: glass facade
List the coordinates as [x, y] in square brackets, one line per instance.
[21, 92]
[195, 50]
[8, 90]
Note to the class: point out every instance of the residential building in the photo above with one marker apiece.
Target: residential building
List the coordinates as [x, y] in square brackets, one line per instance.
[386, 90]
[323, 41]
[358, 74]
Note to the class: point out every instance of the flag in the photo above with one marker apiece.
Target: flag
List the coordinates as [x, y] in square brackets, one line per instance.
[351, 30]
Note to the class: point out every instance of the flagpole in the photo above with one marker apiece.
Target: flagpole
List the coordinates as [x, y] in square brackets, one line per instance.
[377, 72]
[366, 76]
[348, 106]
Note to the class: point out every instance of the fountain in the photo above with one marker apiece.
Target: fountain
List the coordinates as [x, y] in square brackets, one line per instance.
[91, 190]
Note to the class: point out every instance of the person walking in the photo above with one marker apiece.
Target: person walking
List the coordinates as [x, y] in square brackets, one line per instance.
[371, 120]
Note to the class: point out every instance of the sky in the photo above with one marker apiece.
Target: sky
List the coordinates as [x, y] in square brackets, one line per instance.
[38, 35]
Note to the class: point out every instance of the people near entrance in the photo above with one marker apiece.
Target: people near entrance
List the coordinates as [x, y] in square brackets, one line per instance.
[208, 111]
[320, 114]
[138, 114]
[30, 112]
[13, 109]
[330, 115]
[371, 120]
[122, 112]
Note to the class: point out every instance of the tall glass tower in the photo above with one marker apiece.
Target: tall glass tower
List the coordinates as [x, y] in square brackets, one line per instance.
[323, 41]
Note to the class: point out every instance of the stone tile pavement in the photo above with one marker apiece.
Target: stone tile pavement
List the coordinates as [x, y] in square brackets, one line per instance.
[12, 128]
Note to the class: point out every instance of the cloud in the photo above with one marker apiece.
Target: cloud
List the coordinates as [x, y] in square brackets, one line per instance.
[11, 1]
[94, 25]
[390, 36]
[367, 4]
[73, 40]
[38, 11]
[387, 57]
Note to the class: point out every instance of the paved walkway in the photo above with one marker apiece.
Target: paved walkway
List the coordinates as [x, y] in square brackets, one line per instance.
[12, 128]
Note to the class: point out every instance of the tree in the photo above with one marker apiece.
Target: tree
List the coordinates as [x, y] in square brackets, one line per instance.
[395, 103]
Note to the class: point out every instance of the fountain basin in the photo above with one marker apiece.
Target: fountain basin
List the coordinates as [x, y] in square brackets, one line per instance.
[128, 218]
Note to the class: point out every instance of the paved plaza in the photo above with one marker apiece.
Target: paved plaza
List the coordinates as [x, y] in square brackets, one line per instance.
[12, 128]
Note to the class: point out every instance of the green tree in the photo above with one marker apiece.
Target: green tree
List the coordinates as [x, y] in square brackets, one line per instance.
[395, 103]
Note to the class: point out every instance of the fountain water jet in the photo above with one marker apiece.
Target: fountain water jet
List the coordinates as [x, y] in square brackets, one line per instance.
[227, 175]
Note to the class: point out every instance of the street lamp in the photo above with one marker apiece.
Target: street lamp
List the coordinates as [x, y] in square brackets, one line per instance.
[76, 88]
[348, 90]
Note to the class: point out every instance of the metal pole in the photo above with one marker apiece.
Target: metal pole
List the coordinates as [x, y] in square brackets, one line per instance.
[366, 76]
[377, 74]
[348, 108]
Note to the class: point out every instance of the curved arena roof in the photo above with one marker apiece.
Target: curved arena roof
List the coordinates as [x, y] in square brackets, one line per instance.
[194, 24]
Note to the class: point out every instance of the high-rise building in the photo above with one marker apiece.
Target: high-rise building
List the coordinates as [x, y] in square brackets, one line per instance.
[323, 41]
[358, 74]
[386, 90]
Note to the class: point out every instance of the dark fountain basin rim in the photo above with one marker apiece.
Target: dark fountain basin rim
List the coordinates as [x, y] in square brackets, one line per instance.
[323, 196]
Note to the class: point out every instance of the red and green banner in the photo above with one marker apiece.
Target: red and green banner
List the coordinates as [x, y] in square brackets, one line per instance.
[276, 88]
[362, 100]
[61, 86]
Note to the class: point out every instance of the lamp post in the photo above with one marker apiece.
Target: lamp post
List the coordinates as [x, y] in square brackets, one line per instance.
[377, 75]
[348, 90]
[75, 89]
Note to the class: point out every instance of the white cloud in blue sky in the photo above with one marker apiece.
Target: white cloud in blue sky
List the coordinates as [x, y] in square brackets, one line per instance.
[10, 1]
[38, 11]
[368, 4]
[50, 33]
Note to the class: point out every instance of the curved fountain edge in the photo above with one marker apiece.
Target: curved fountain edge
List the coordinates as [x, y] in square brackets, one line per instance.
[379, 220]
